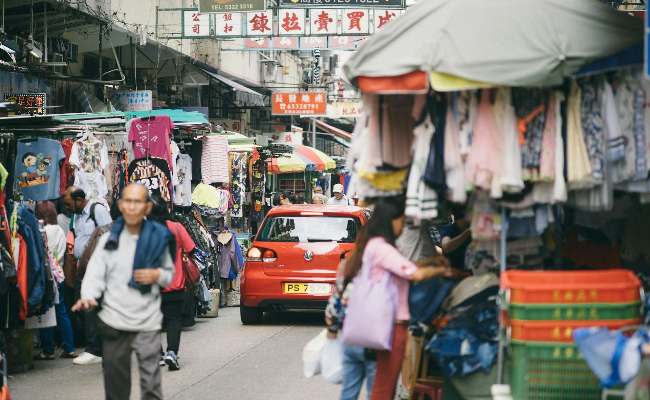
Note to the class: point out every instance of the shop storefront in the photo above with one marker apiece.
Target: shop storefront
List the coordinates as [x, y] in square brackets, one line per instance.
[535, 167]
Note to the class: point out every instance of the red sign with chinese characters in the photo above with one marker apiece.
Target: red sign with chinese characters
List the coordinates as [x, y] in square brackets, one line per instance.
[299, 103]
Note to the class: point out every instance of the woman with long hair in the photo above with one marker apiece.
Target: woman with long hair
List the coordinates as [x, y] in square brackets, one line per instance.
[56, 245]
[173, 295]
[376, 250]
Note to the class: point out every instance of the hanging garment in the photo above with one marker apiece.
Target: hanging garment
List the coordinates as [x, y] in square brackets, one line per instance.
[641, 162]
[465, 109]
[67, 172]
[214, 160]
[593, 126]
[151, 137]
[228, 259]
[578, 164]
[616, 142]
[396, 130]
[483, 166]
[624, 97]
[454, 166]
[154, 174]
[547, 158]
[89, 155]
[20, 258]
[511, 179]
[93, 184]
[183, 188]
[530, 107]
[37, 175]
[421, 199]
[434, 172]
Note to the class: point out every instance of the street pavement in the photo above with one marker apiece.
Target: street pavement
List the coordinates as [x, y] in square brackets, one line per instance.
[220, 359]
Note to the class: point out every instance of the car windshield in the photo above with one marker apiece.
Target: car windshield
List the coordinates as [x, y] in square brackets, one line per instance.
[309, 229]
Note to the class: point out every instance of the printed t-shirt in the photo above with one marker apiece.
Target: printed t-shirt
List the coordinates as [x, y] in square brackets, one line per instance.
[90, 155]
[67, 173]
[37, 169]
[183, 188]
[154, 174]
[150, 137]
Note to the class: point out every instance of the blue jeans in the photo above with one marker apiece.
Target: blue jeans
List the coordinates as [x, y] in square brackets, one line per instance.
[63, 325]
[356, 368]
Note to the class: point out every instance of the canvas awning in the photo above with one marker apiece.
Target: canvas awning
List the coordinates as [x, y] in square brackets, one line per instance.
[497, 42]
[244, 96]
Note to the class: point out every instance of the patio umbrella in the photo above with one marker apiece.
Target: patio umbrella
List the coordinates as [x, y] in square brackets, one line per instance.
[303, 158]
[498, 42]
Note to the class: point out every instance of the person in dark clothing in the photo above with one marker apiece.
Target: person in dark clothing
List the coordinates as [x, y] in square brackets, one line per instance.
[455, 237]
[173, 296]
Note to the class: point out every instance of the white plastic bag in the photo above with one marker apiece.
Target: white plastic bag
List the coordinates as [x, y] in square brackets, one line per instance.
[331, 361]
[311, 354]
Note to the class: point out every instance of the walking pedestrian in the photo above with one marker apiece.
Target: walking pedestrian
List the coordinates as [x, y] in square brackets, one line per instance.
[173, 296]
[318, 197]
[56, 243]
[125, 274]
[359, 364]
[339, 199]
[87, 216]
[286, 198]
[376, 250]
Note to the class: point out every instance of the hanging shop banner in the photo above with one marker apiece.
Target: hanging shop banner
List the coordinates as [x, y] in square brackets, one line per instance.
[259, 23]
[345, 42]
[195, 24]
[211, 6]
[228, 24]
[302, 43]
[292, 22]
[383, 17]
[355, 21]
[323, 21]
[29, 103]
[313, 42]
[133, 100]
[299, 103]
[343, 3]
[344, 109]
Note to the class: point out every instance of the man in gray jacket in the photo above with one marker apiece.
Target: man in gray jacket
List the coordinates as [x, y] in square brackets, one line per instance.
[129, 318]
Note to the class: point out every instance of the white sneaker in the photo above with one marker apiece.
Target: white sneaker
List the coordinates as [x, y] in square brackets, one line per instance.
[87, 359]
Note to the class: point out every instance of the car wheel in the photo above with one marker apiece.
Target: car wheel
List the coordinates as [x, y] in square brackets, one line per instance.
[250, 315]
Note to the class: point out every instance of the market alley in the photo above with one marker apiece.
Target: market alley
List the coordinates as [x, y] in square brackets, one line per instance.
[221, 359]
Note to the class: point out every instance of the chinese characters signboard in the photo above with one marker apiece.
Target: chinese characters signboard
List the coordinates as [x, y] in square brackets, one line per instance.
[196, 24]
[323, 21]
[231, 5]
[133, 100]
[343, 3]
[228, 24]
[29, 103]
[259, 23]
[292, 22]
[355, 21]
[299, 103]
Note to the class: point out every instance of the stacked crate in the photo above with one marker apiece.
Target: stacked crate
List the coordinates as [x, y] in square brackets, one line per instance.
[543, 310]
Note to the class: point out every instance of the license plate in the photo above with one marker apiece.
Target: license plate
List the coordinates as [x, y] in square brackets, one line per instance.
[307, 288]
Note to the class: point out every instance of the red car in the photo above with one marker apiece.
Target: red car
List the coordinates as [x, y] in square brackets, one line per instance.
[293, 259]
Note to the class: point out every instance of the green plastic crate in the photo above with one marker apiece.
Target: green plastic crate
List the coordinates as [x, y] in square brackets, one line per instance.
[574, 312]
[548, 371]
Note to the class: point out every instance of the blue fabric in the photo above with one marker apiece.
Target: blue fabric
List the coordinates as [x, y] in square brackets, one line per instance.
[37, 169]
[240, 260]
[356, 368]
[28, 227]
[469, 342]
[63, 325]
[425, 298]
[154, 238]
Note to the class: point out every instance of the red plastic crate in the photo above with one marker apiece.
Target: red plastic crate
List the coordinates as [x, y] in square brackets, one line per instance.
[570, 287]
[559, 331]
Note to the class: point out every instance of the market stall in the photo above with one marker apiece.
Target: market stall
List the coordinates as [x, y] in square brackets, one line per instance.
[550, 164]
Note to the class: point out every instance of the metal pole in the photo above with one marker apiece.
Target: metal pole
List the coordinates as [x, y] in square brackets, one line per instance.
[101, 43]
[313, 132]
[157, 10]
[502, 268]
[45, 32]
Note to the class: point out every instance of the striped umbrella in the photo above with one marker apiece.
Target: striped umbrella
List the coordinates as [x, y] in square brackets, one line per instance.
[303, 158]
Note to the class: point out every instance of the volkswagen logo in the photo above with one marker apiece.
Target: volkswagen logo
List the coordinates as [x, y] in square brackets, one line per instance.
[309, 255]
